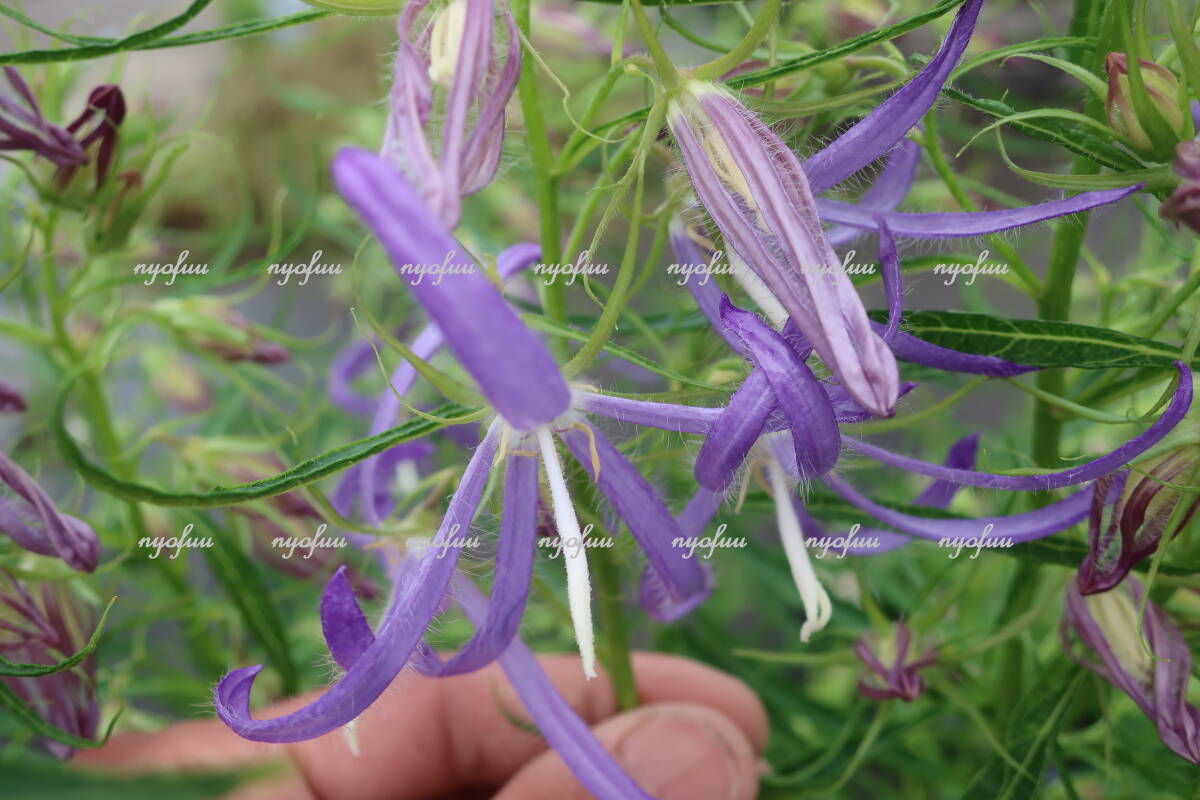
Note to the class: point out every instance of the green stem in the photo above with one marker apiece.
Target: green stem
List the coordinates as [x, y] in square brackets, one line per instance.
[619, 661]
[941, 165]
[666, 70]
[205, 650]
[553, 296]
[745, 49]
[616, 302]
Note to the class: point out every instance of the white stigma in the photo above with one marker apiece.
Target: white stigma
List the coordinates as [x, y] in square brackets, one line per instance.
[579, 585]
[758, 291]
[445, 42]
[817, 607]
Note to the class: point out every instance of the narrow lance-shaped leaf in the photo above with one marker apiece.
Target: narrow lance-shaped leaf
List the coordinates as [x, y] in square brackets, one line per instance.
[1035, 343]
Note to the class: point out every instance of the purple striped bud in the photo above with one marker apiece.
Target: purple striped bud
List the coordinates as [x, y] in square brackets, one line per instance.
[1155, 676]
[1162, 88]
[757, 194]
[1183, 205]
[450, 66]
[29, 517]
[43, 627]
[1128, 521]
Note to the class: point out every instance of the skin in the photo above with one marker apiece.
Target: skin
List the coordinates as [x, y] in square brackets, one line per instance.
[699, 734]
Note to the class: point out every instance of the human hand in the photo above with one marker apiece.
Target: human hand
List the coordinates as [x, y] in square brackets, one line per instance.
[698, 735]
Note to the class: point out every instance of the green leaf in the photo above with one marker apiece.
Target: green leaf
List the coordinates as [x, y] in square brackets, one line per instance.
[12, 669]
[303, 473]
[1077, 140]
[808, 60]
[243, 584]
[1036, 343]
[133, 42]
[1036, 722]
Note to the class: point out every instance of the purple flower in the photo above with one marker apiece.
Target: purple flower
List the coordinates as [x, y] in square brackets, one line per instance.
[786, 420]
[44, 630]
[762, 200]
[454, 54]
[22, 126]
[533, 405]
[1155, 676]
[1130, 513]
[899, 680]
[756, 192]
[32, 521]
[97, 123]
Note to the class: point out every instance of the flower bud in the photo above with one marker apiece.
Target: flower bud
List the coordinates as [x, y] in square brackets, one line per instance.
[1155, 676]
[1128, 520]
[209, 324]
[1183, 205]
[1162, 89]
[899, 680]
[175, 380]
[41, 624]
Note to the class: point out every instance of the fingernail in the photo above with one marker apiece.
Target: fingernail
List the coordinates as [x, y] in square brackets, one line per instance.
[681, 754]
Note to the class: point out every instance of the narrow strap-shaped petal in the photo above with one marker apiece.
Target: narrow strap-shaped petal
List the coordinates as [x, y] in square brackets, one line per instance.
[665, 416]
[567, 734]
[909, 348]
[513, 368]
[735, 431]
[1091, 470]
[1016, 528]
[638, 504]
[957, 225]
[413, 604]
[347, 490]
[961, 456]
[888, 191]
[704, 289]
[514, 569]
[889, 262]
[858, 541]
[653, 594]
[876, 133]
[799, 394]
[350, 362]
[517, 258]
[347, 633]
[427, 343]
